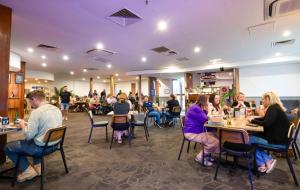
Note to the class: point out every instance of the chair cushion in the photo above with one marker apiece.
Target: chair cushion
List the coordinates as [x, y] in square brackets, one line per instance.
[138, 123]
[238, 147]
[102, 123]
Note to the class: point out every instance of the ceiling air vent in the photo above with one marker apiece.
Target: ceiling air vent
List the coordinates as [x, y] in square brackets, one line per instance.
[283, 43]
[275, 8]
[47, 47]
[99, 52]
[160, 49]
[102, 60]
[170, 53]
[91, 69]
[182, 59]
[124, 17]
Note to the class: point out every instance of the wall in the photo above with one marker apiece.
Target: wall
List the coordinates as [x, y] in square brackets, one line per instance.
[283, 79]
[165, 85]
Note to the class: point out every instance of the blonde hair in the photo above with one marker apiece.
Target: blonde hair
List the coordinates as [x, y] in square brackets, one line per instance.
[122, 97]
[274, 99]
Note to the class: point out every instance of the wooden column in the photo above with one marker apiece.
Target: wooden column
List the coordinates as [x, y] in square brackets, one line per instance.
[91, 85]
[236, 79]
[22, 88]
[152, 89]
[188, 80]
[5, 32]
[112, 85]
[140, 93]
[133, 88]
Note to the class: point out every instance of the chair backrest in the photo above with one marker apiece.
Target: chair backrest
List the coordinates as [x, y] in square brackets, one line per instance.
[91, 116]
[291, 132]
[120, 119]
[176, 110]
[55, 134]
[238, 136]
[182, 121]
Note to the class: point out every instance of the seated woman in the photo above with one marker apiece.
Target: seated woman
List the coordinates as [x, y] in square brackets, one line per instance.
[214, 106]
[121, 107]
[194, 130]
[240, 101]
[276, 127]
[171, 103]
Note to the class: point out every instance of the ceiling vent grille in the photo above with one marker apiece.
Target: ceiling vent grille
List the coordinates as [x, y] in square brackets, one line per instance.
[91, 69]
[99, 52]
[182, 59]
[283, 43]
[160, 49]
[170, 53]
[47, 47]
[124, 17]
[102, 60]
[275, 8]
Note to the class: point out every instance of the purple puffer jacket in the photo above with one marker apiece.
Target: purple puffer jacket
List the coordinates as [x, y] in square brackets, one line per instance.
[194, 120]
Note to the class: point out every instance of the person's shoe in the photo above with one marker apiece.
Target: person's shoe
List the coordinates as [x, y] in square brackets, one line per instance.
[119, 141]
[157, 125]
[66, 118]
[271, 166]
[28, 174]
[262, 169]
[38, 169]
[206, 162]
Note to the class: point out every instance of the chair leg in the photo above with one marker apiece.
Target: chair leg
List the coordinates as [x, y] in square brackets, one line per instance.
[129, 136]
[182, 145]
[42, 173]
[90, 136]
[106, 135]
[195, 145]
[294, 151]
[112, 138]
[218, 165]
[249, 172]
[64, 159]
[188, 148]
[291, 168]
[16, 172]
[297, 148]
[145, 130]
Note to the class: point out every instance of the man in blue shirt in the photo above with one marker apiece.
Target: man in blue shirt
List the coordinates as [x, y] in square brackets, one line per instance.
[152, 112]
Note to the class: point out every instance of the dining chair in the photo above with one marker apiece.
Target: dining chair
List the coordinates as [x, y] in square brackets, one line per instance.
[234, 142]
[285, 149]
[95, 125]
[56, 136]
[120, 123]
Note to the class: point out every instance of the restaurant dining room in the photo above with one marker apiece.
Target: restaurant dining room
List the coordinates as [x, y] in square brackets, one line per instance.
[149, 94]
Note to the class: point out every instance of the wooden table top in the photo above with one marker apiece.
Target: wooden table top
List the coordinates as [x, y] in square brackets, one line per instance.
[237, 123]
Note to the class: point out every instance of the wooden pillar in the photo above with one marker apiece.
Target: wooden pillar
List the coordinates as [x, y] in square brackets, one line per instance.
[112, 85]
[21, 93]
[133, 88]
[91, 85]
[188, 80]
[140, 93]
[236, 80]
[5, 32]
[152, 89]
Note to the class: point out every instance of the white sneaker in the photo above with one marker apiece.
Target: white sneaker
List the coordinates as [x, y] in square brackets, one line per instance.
[206, 162]
[28, 174]
[38, 169]
[271, 167]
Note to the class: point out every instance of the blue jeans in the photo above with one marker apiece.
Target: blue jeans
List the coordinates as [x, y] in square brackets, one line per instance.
[155, 114]
[261, 156]
[64, 106]
[168, 116]
[13, 149]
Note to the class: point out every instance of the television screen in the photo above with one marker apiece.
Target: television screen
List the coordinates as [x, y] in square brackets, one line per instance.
[19, 78]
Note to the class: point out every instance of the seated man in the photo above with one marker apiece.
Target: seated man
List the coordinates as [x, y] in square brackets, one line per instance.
[171, 103]
[42, 118]
[151, 111]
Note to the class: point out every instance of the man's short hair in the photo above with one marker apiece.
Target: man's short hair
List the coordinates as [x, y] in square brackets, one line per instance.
[38, 94]
[65, 86]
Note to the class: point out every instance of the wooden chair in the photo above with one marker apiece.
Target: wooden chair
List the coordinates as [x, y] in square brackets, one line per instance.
[176, 115]
[120, 123]
[294, 140]
[189, 142]
[56, 136]
[234, 142]
[97, 124]
[285, 150]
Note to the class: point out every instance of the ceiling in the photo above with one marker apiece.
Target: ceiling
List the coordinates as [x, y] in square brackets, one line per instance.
[229, 29]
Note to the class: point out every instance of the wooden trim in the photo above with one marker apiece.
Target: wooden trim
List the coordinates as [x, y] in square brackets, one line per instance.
[112, 85]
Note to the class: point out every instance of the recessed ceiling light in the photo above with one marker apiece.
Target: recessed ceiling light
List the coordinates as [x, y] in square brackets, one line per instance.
[197, 49]
[44, 64]
[72, 73]
[25, 80]
[84, 70]
[65, 57]
[162, 25]
[36, 79]
[116, 74]
[108, 66]
[286, 33]
[99, 46]
[30, 50]
[39, 82]
[144, 59]
[43, 57]
[45, 81]
[214, 61]
[277, 54]
[83, 78]
[136, 77]
[104, 80]
[98, 77]
[119, 79]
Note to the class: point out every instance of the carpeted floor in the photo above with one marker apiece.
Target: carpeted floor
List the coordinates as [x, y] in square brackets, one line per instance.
[146, 165]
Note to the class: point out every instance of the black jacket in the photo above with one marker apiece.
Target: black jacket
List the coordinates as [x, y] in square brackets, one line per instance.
[235, 103]
[276, 125]
[171, 104]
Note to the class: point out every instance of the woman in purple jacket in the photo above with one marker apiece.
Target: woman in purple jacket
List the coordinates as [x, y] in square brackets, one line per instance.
[195, 131]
